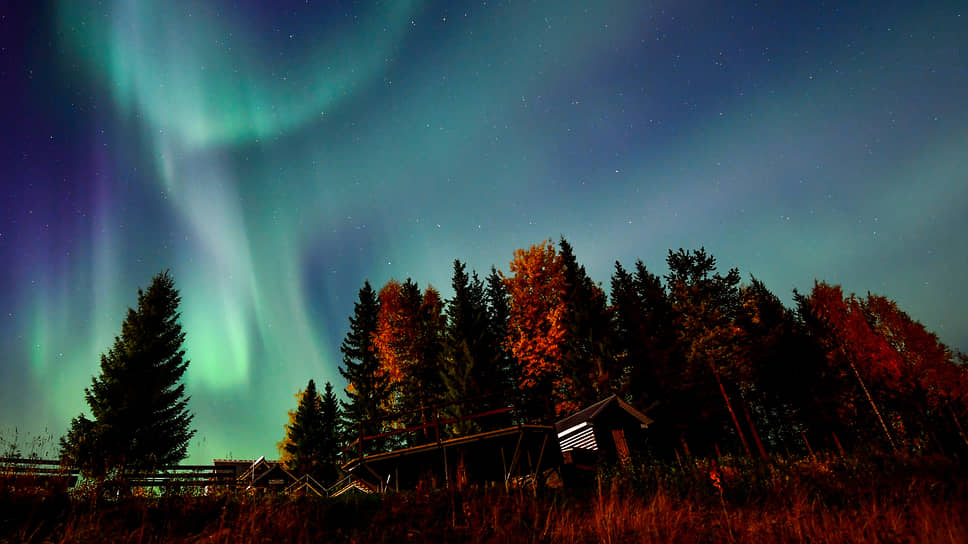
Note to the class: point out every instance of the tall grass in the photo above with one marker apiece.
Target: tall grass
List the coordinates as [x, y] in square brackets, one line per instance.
[884, 499]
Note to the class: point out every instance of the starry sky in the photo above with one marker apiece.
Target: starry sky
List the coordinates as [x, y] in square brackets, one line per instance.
[274, 155]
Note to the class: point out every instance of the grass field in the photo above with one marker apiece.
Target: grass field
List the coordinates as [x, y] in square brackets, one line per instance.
[875, 499]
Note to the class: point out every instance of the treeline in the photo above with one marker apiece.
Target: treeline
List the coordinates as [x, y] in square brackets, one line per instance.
[720, 365]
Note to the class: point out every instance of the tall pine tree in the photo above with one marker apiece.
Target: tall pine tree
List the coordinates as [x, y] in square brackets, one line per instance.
[303, 433]
[506, 374]
[141, 418]
[312, 443]
[468, 369]
[644, 338]
[368, 389]
[330, 443]
[588, 365]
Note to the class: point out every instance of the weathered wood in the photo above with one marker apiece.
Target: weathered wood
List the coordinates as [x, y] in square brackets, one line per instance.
[514, 458]
[170, 475]
[27, 461]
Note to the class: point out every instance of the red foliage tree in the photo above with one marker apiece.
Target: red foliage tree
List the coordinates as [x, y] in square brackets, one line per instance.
[853, 347]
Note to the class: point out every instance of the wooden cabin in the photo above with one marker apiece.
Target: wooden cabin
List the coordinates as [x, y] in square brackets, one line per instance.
[609, 430]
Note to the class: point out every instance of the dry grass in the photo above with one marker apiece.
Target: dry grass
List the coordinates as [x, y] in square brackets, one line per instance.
[869, 501]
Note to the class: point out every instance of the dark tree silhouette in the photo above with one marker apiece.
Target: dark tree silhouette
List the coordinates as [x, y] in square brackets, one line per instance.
[587, 357]
[330, 442]
[720, 366]
[704, 305]
[304, 433]
[468, 368]
[312, 440]
[140, 411]
[507, 373]
[368, 389]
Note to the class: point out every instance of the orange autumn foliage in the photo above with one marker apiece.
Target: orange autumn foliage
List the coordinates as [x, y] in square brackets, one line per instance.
[402, 323]
[536, 328]
[396, 333]
[281, 446]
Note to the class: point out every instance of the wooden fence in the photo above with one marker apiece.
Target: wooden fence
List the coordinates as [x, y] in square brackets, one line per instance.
[47, 473]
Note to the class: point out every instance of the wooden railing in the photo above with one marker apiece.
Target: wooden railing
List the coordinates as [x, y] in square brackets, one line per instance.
[430, 419]
[25, 472]
[18, 473]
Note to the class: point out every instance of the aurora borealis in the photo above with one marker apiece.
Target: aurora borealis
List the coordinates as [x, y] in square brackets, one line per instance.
[275, 155]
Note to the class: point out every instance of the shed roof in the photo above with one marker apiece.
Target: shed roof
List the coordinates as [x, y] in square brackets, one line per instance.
[595, 410]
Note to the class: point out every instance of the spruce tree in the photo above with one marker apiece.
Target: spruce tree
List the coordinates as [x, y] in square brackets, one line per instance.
[644, 338]
[140, 412]
[303, 433]
[507, 373]
[469, 365]
[368, 392]
[588, 365]
[420, 352]
[330, 430]
[312, 443]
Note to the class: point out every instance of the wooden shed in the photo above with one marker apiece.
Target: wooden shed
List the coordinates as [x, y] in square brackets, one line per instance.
[500, 455]
[609, 430]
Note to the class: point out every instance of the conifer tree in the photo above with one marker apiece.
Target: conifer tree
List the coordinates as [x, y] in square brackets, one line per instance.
[330, 442]
[643, 334]
[468, 370]
[302, 446]
[312, 442]
[368, 390]
[588, 364]
[506, 375]
[140, 412]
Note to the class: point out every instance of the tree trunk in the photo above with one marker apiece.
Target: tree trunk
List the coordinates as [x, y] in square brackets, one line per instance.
[877, 412]
[756, 435]
[954, 416]
[732, 413]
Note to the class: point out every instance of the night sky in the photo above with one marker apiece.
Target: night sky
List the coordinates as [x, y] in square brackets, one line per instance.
[273, 158]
